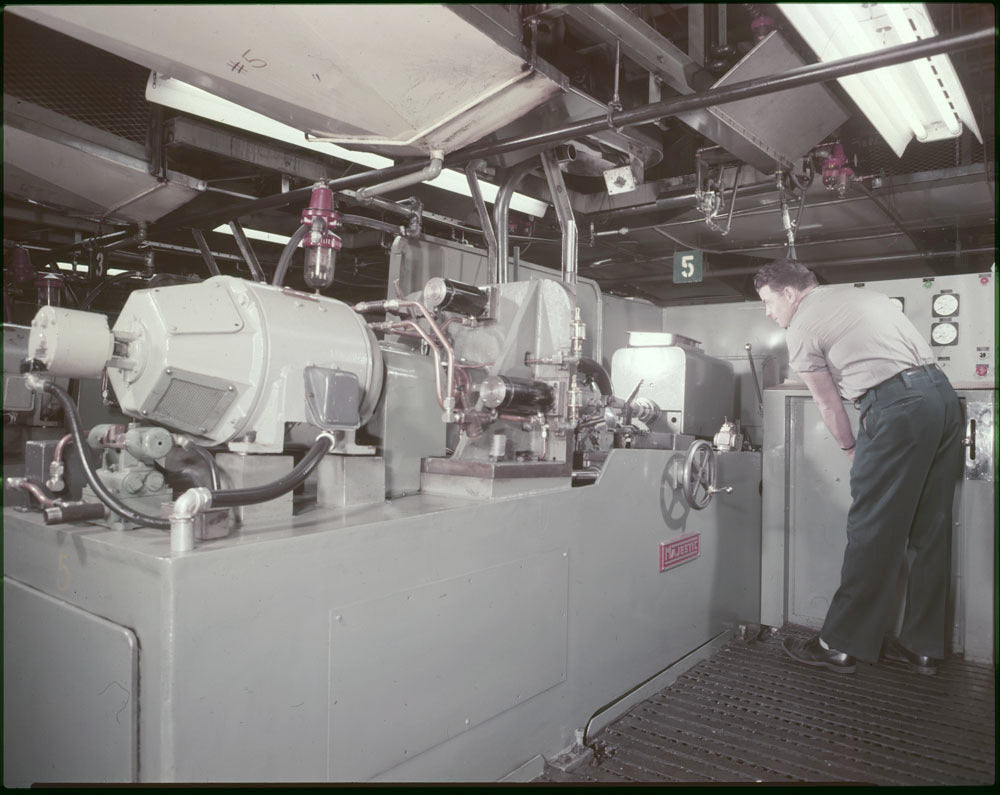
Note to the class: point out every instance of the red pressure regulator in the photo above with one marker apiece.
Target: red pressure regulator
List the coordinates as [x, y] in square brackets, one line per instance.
[320, 243]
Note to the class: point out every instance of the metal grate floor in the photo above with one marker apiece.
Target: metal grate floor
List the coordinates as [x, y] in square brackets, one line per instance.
[751, 714]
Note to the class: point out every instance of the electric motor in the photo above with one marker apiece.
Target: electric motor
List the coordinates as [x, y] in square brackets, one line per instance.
[226, 360]
[457, 297]
[515, 395]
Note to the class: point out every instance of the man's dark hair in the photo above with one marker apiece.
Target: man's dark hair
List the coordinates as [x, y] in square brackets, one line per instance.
[784, 273]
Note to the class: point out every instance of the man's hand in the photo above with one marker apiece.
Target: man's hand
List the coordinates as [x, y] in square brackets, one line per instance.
[831, 408]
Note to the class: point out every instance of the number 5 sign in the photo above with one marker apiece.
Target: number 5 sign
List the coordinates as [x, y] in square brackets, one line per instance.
[687, 266]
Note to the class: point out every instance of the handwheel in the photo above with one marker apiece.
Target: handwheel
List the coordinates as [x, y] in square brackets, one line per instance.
[698, 478]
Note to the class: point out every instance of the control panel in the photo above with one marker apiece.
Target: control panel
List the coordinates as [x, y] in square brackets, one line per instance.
[956, 313]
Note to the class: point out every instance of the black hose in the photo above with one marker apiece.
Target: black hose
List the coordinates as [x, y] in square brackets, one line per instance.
[270, 491]
[286, 255]
[371, 223]
[74, 512]
[597, 373]
[209, 460]
[105, 496]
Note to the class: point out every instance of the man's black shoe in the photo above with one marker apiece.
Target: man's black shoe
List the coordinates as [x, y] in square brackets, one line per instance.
[811, 653]
[894, 651]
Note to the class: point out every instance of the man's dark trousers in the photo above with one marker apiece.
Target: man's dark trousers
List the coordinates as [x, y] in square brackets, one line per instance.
[906, 465]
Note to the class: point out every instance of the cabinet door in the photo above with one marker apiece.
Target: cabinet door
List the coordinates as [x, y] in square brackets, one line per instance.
[70, 682]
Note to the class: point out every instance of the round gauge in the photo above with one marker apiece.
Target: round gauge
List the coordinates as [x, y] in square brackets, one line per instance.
[896, 302]
[944, 333]
[945, 304]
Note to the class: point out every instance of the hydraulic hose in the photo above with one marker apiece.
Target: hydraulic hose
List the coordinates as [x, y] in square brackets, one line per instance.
[286, 255]
[105, 496]
[270, 491]
[213, 468]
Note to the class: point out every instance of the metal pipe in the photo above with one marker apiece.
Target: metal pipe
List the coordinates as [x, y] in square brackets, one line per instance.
[382, 204]
[394, 326]
[786, 219]
[297, 196]
[430, 171]
[756, 382]
[793, 78]
[564, 212]
[138, 237]
[186, 507]
[484, 216]
[501, 211]
[57, 454]
[675, 201]
[373, 223]
[246, 249]
[206, 252]
[732, 203]
[821, 264]
[394, 305]
[88, 243]
[56, 467]
[35, 490]
[157, 246]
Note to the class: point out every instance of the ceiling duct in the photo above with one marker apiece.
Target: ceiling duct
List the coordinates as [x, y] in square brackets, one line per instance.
[767, 132]
[405, 79]
[51, 158]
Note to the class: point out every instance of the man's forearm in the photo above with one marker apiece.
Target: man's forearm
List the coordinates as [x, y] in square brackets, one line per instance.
[831, 407]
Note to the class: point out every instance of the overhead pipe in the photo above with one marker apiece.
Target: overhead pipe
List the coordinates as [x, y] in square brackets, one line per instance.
[106, 243]
[484, 216]
[382, 204]
[501, 212]
[793, 78]
[246, 249]
[430, 171]
[711, 273]
[206, 252]
[90, 242]
[673, 202]
[567, 222]
[292, 197]
[770, 84]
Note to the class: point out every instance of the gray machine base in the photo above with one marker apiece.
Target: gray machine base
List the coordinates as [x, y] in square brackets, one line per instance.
[428, 638]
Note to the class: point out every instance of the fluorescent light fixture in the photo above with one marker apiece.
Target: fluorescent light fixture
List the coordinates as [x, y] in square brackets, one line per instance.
[921, 99]
[81, 268]
[255, 234]
[190, 99]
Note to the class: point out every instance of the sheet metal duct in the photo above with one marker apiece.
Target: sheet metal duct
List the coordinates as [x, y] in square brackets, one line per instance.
[51, 158]
[406, 78]
[765, 132]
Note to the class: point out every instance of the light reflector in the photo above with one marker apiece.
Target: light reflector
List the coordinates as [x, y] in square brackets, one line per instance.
[921, 99]
[190, 99]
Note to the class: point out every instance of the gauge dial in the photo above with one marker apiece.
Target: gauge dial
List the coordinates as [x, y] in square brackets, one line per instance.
[944, 333]
[944, 305]
[897, 302]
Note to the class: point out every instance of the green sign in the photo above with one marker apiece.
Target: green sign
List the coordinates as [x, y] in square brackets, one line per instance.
[688, 266]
